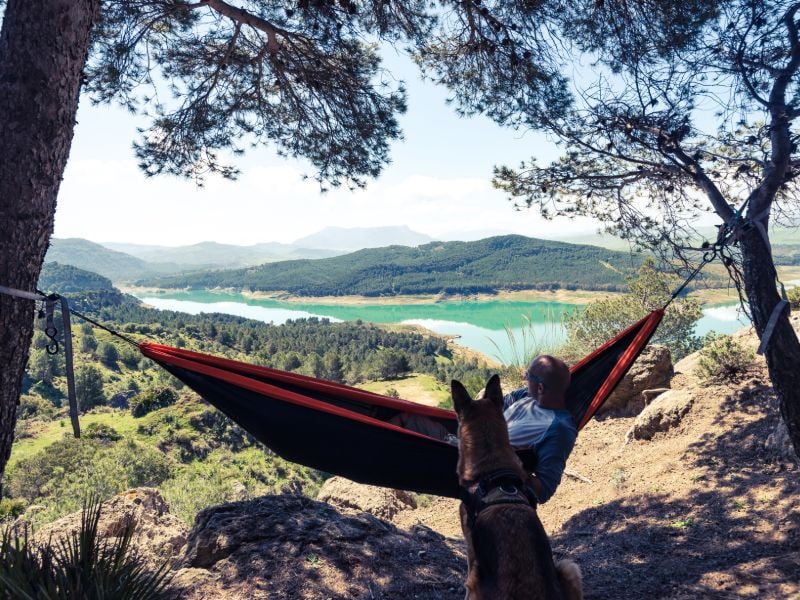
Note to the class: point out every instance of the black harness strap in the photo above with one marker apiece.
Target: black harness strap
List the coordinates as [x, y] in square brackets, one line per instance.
[503, 486]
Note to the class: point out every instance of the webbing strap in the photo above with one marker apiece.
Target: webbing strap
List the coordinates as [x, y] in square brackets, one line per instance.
[758, 221]
[73, 398]
[51, 331]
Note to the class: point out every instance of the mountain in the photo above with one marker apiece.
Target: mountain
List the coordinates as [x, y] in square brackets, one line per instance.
[93, 257]
[510, 262]
[356, 238]
[207, 255]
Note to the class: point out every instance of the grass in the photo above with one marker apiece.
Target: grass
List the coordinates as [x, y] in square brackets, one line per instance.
[420, 388]
[682, 523]
[532, 340]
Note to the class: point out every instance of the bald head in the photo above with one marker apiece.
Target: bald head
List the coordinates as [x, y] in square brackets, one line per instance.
[553, 374]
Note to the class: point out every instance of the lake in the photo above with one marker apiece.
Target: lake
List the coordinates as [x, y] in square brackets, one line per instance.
[479, 325]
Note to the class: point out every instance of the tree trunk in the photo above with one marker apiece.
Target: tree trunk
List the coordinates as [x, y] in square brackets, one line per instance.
[43, 50]
[783, 351]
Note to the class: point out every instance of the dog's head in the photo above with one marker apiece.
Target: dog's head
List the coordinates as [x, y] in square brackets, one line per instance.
[482, 431]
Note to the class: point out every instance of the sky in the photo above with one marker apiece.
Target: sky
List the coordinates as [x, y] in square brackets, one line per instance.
[439, 184]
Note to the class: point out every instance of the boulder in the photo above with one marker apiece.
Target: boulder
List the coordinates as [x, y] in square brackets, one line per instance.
[662, 414]
[653, 369]
[289, 546]
[158, 535]
[352, 497]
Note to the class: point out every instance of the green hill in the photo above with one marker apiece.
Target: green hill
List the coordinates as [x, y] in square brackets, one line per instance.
[510, 262]
[98, 259]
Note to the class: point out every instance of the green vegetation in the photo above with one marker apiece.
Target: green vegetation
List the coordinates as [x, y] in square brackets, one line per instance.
[152, 399]
[723, 358]
[510, 262]
[141, 426]
[601, 320]
[794, 298]
[80, 566]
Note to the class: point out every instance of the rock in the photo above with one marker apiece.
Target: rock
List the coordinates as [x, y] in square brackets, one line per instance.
[289, 546]
[779, 444]
[653, 369]
[662, 414]
[158, 535]
[351, 497]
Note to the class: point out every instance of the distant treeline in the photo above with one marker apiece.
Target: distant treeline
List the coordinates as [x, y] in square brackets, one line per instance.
[500, 263]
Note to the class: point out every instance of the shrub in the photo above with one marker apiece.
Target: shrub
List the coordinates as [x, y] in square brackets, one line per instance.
[794, 297]
[723, 358]
[152, 399]
[601, 320]
[11, 508]
[35, 407]
[79, 566]
[89, 386]
[101, 431]
[64, 473]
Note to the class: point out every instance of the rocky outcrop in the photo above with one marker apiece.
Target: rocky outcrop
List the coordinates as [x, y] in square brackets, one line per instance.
[157, 535]
[662, 414]
[284, 546]
[349, 497]
[653, 369]
[293, 547]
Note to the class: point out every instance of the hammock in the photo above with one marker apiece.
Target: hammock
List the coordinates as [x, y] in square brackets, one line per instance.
[346, 431]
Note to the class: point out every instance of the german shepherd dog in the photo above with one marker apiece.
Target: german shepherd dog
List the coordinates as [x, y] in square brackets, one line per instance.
[509, 555]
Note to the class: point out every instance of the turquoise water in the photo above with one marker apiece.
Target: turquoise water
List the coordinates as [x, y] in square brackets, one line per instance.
[479, 325]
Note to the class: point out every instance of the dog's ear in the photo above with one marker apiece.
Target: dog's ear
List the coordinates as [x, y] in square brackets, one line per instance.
[493, 391]
[461, 397]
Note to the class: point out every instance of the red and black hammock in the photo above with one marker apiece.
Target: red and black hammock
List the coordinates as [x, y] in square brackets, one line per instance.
[346, 431]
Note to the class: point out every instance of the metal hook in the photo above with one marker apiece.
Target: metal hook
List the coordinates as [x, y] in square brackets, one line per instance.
[50, 329]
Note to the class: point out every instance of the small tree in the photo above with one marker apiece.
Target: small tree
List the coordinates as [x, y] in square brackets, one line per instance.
[109, 355]
[650, 289]
[390, 363]
[89, 387]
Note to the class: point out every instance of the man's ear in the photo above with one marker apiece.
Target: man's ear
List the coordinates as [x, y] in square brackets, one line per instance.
[493, 391]
[461, 398]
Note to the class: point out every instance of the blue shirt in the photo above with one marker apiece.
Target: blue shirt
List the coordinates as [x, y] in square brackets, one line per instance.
[551, 432]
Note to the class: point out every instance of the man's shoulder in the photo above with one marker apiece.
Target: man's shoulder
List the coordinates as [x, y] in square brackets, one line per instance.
[563, 424]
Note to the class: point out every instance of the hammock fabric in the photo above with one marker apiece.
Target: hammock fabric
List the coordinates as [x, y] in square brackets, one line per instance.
[346, 431]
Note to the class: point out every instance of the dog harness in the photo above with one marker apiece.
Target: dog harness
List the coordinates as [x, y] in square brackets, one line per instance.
[504, 486]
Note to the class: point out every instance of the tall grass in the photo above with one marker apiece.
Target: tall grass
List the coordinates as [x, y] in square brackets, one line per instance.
[532, 339]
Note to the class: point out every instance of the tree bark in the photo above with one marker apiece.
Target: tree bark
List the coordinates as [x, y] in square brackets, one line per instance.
[43, 49]
[783, 351]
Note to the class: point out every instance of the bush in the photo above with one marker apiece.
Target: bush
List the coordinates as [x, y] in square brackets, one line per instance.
[650, 289]
[102, 432]
[64, 473]
[11, 508]
[794, 298]
[31, 407]
[151, 400]
[89, 387]
[79, 566]
[723, 358]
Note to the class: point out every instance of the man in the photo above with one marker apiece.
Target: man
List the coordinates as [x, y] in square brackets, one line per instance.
[537, 417]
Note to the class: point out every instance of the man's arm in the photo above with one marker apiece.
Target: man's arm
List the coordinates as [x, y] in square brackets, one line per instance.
[514, 396]
[553, 452]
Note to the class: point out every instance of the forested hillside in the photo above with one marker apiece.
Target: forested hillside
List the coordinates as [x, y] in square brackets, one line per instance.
[506, 262]
[143, 427]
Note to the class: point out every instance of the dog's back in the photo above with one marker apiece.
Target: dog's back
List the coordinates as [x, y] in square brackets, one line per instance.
[508, 550]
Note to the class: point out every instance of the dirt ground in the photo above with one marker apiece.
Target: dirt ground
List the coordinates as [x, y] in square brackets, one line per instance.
[702, 511]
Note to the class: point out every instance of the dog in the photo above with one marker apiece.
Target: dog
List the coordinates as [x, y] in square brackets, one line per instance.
[508, 552]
